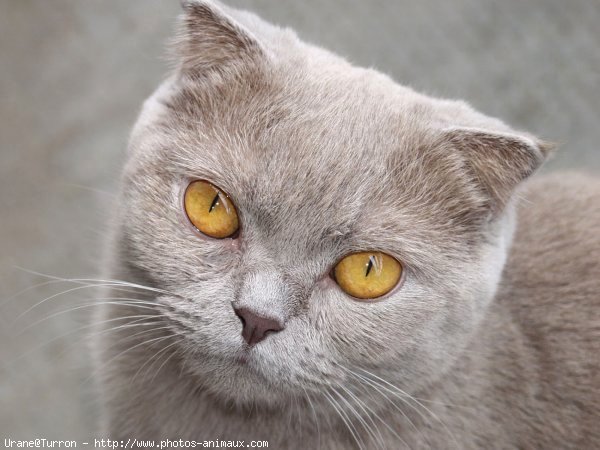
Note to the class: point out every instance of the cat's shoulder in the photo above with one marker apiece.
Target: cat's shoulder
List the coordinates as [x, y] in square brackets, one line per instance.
[552, 276]
[559, 223]
[551, 291]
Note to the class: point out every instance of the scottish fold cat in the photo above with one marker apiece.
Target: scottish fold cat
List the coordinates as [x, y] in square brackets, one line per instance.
[318, 257]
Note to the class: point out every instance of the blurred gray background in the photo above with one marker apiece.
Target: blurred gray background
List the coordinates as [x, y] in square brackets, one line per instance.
[74, 73]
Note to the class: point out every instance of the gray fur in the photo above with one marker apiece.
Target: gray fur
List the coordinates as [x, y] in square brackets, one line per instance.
[485, 344]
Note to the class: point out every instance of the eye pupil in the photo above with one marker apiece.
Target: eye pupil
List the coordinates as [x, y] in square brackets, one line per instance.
[214, 203]
[369, 266]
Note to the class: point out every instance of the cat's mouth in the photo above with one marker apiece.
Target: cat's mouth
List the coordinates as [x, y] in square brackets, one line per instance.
[243, 358]
[246, 379]
[247, 359]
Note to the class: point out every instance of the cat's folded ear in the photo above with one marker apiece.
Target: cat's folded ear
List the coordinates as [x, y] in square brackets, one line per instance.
[498, 161]
[210, 39]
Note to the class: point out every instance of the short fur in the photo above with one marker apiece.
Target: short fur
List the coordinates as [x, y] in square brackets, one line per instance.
[490, 342]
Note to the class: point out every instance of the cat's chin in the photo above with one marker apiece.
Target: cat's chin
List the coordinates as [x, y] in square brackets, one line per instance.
[243, 379]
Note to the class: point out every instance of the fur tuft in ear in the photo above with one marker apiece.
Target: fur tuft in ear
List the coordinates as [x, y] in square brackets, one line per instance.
[499, 161]
[210, 39]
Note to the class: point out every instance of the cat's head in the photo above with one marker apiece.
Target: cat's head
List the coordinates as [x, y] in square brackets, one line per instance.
[321, 160]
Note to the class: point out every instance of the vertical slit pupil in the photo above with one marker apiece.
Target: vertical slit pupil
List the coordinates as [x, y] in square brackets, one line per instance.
[214, 203]
[369, 266]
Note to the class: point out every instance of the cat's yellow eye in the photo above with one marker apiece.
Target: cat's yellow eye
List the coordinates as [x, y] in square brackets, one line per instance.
[210, 210]
[367, 275]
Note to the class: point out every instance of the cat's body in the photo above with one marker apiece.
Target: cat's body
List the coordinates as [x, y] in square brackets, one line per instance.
[482, 345]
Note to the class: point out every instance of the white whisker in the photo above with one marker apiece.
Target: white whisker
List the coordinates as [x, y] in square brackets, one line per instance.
[134, 323]
[349, 425]
[360, 418]
[120, 301]
[316, 420]
[166, 360]
[365, 382]
[146, 342]
[396, 391]
[377, 416]
[151, 360]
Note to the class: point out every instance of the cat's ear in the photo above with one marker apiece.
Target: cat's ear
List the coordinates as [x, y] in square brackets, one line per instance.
[498, 161]
[210, 39]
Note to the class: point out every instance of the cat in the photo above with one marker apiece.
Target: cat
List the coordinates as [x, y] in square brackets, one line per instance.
[480, 324]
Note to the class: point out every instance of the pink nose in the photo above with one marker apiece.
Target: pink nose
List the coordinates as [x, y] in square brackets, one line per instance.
[255, 327]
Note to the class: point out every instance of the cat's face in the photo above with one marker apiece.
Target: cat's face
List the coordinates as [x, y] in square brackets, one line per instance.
[321, 160]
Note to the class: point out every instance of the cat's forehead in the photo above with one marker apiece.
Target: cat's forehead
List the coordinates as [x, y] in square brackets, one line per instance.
[323, 154]
[313, 145]
[323, 127]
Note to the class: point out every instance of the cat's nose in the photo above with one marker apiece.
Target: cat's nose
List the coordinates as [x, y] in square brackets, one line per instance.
[255, 327]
